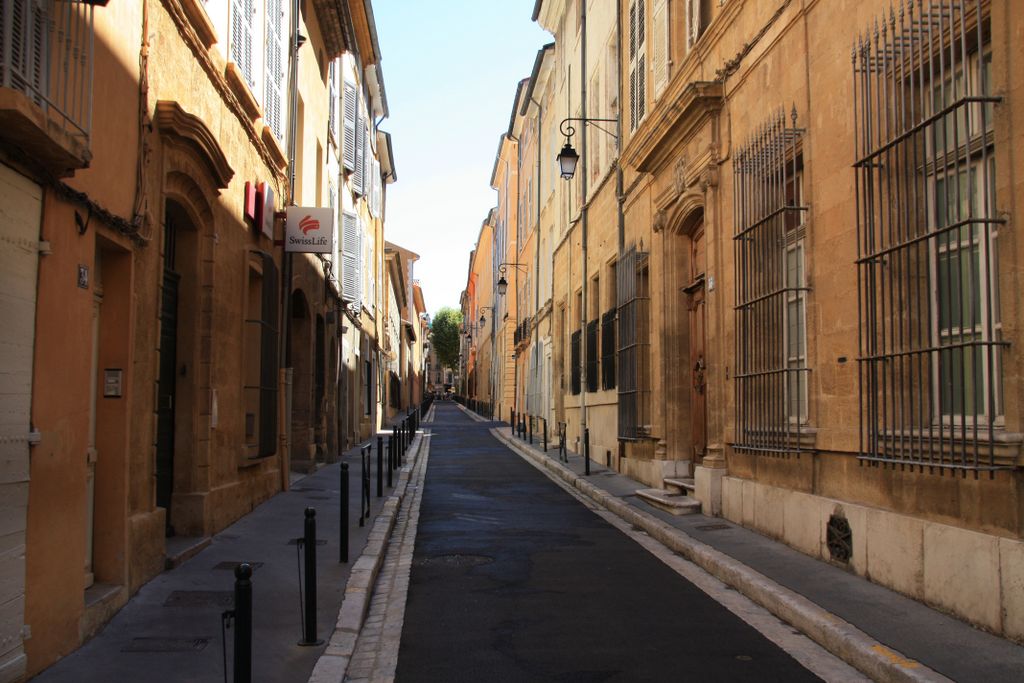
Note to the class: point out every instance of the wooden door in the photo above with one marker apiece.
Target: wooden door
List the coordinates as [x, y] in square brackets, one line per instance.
[698, 339]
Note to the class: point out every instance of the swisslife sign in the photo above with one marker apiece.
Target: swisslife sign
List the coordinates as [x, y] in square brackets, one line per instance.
[309, 229]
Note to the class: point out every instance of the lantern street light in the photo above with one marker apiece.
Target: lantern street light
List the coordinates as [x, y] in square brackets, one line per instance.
[569, 157]
[502, 282]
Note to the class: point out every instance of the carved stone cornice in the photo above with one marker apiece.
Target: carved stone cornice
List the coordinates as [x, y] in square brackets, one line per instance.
[680, 112]
[174, 121]
[196, 13]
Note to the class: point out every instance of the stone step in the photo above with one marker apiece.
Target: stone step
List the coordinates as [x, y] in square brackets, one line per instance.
[679, 484]
[669, 501]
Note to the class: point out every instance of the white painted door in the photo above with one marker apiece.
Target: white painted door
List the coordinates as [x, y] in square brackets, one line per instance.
[20, 211]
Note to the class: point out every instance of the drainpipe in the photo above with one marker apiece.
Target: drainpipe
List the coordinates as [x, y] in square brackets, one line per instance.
[536, 248]
[286, 275]
[583, 220]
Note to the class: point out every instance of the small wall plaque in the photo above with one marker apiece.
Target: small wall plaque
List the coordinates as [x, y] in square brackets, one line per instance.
[112, 382]
[83, 276]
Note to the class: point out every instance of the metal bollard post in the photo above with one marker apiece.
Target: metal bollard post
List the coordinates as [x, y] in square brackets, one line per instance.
[530, 423]
[309, 613]
[545, 434]
[243, 624]
[380, 470]
[343, 530]
[391, 467]
[608, 459]
[586, 450]
[512, 419]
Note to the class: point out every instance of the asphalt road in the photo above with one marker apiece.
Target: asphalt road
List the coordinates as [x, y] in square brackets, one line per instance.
[513, 579]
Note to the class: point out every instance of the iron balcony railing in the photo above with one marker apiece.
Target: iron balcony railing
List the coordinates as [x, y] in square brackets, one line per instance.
[46, 52]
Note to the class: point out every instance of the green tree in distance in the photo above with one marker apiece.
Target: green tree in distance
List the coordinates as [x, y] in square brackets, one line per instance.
[444, 336]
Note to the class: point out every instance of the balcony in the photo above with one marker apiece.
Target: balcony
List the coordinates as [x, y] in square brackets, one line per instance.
[46, 72]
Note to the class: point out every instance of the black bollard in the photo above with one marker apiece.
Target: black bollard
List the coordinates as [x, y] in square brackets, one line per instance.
[608, 459]
[530, 423]
[309, 611]
[343, 530]
[512, 418]
[545, 434]
[391, 465]
[380, 469]
[243, 623]
[586, 450]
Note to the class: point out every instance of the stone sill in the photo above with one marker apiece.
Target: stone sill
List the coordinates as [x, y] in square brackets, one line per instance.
[239, 86]
[200, 21]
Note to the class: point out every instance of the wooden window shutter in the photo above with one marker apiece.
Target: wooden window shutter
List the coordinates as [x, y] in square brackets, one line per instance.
[267, 444]
[368, 159]
[659, 47]
[637, 63]
[242, 14]
[273, 73]
[332, 106]
[351, 253]
[350, 106]
[359, 170]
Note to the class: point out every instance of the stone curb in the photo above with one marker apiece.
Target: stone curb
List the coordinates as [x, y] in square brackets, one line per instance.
[473, 416]
[842, 639]
[333, 663]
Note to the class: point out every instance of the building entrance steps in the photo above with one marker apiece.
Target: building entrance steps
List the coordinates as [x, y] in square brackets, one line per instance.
[673, 502]
[884, 634]
[170, 630]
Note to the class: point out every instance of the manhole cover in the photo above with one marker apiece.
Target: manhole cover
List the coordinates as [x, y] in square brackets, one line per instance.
[319, 541]
[229, 565]
[200, 599]
[714, 527]
[166, 645]
[453, 561]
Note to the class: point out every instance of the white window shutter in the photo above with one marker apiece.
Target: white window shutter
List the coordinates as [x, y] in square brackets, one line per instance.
[242, 15]
[351, 252]
[273, 73]
[359, 170]
[367, 159]
[351, 107]
[659, 47]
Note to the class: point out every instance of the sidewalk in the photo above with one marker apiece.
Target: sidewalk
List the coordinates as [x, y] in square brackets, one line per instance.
[884, 634]
[170, 631]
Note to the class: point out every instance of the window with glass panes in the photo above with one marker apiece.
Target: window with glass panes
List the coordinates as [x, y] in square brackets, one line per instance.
[928, 229]
[771, 293]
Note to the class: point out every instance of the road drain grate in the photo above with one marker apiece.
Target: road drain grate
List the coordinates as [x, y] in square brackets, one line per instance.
[714, 527]
[200, 599]
[166, 645]
[319, 541]
[453, 561]
[229, 565]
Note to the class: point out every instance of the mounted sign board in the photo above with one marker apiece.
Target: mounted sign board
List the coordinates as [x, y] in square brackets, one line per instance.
[265, 210]
[310, 230]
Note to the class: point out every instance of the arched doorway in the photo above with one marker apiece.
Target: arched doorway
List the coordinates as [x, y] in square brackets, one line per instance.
[177, 343]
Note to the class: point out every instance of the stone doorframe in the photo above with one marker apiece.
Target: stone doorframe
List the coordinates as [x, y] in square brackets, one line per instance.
[193, 170]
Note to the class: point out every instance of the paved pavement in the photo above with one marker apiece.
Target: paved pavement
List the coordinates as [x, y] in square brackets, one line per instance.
[170, 631]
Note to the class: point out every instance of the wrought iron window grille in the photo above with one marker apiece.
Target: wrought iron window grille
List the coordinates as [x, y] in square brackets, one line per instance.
[927, 232]
[771, 375]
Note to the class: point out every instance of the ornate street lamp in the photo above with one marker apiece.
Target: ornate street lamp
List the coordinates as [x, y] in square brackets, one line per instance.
[502, 282]
[569, 157]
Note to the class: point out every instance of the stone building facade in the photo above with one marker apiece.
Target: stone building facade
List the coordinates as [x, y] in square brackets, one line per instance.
[799, 229]
[142, 225]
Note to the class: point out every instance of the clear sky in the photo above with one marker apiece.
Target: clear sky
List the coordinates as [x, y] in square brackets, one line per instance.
[450, 72]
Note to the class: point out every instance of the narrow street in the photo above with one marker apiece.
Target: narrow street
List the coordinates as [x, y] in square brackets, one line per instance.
[515, 580]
